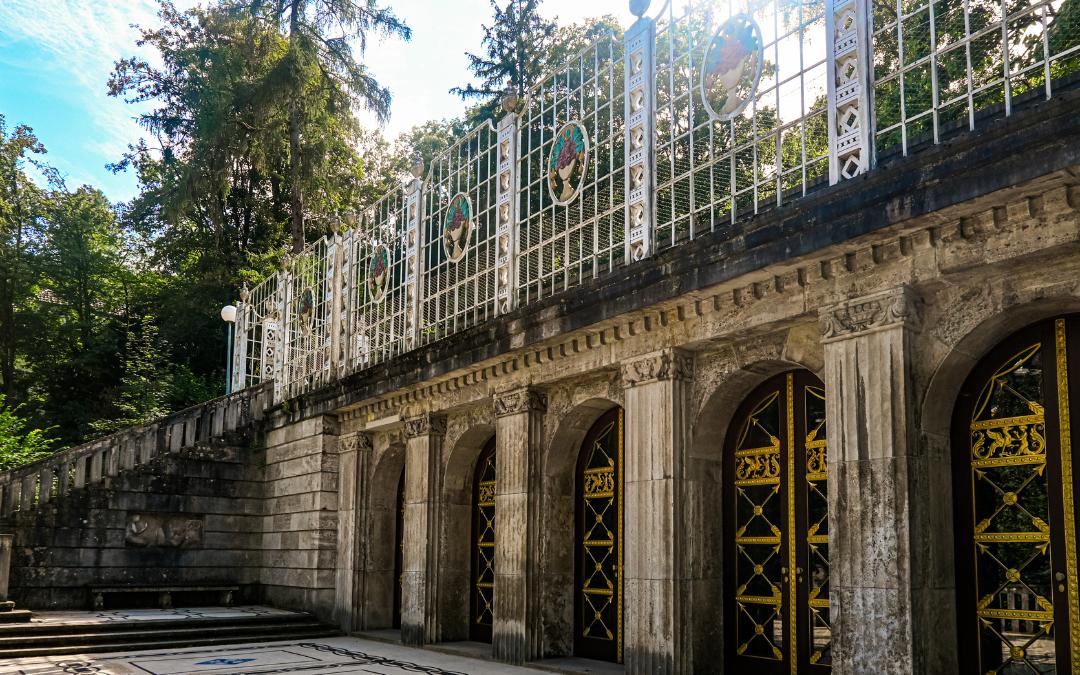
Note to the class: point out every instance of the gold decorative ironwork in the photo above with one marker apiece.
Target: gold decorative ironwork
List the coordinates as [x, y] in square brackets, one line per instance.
[601, 573]
[1011, 516]
[819, 625]
[759, 594]
[793, 613]
[1068, 505]
[781, 524]
[484, 541]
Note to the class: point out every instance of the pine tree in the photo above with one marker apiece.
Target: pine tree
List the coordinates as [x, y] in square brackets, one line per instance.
[516, 45]
[320, 63]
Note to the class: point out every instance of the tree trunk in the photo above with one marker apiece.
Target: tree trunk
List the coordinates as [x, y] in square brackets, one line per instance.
[297, 201]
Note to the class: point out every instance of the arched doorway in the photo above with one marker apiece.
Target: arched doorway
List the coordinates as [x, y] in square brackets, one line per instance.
[598, 537]
[1014, 487]
[481, 604]
[776, 541]
[399, 547]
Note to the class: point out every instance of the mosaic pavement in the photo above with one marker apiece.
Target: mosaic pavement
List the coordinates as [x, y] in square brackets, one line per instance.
[332, 656]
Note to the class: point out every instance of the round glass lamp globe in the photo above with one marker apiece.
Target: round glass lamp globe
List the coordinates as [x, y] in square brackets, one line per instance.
[228, 313]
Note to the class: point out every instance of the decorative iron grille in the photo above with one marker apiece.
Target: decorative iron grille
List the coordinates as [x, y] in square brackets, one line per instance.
[378, 258]
[458, 242]
[308, 313]
[711, 170]
[939, 67]
[570, 228]
[258, 325]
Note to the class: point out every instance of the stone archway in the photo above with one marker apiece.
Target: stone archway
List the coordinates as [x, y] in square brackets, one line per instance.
[958, 353]
[380, 547]
[727, 391]
[455, 532]
[557, 522]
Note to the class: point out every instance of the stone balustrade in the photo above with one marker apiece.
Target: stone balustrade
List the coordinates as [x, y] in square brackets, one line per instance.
[92, 463]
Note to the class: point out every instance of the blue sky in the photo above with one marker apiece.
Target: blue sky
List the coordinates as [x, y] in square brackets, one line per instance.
[56, 55]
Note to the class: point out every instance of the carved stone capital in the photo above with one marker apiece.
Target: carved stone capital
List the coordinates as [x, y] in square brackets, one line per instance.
[519, 401]
[894, 307]
[358, 441]
[425, 425]
[670, 364]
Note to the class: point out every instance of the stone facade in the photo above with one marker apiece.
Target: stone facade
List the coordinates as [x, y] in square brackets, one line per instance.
[888, 288]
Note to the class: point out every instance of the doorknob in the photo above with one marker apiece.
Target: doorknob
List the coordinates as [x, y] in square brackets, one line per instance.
[783, 574]
[1060, 578]
[798, 572]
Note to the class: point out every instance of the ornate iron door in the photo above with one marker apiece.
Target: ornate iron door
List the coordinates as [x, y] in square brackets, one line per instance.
[399, 548]
[483, 540]
[1014, 485]
[598, 595]
[777, 540]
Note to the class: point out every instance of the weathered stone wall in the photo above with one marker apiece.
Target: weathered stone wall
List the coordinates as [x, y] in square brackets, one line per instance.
[299, 531]
[90, 537]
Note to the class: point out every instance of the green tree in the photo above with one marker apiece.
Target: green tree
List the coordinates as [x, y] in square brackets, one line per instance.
[21, 204]
[20, 444]
[516, 47]
[86, 288]
[319, 77]
[145, 387]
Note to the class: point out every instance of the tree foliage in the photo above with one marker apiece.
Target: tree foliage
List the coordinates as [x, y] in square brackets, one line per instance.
[19, 443]
[516, 46]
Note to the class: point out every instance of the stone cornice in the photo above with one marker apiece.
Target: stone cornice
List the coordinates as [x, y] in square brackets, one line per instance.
[895, 307]
[670, 364]
[519, 401]
[425, 425]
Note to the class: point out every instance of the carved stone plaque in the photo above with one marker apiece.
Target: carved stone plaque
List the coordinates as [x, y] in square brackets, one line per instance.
[163, 530]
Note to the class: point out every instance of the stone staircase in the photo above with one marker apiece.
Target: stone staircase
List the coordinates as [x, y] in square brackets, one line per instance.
[19, 641]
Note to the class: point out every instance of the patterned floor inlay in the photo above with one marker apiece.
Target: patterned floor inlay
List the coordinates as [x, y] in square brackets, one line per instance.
[109, 616]
[336, 656]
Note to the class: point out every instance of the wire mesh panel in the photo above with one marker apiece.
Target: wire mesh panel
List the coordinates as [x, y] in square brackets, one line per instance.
[941, 66]
[308, 338]
[571, 183]
[378, 282]
[458, 255]
[741, 111]
[260, 324]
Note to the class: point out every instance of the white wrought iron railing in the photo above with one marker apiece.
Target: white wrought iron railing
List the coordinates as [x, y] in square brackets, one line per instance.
[711, 112]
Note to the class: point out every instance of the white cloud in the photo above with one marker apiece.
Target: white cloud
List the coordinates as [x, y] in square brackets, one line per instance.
[81, 41]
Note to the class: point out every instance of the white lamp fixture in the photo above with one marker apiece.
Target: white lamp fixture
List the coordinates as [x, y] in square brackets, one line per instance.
[228, 313]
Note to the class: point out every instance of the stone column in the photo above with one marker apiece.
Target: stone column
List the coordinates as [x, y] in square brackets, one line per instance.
[656, 634]
[420, 560]
[880, 602]
[353, 451]
[517, 635]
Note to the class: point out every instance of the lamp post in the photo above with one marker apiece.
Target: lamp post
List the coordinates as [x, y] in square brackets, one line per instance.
[228, 315]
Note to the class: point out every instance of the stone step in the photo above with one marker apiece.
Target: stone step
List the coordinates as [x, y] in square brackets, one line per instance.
[90, 638]
[206, 623]
[152, 633]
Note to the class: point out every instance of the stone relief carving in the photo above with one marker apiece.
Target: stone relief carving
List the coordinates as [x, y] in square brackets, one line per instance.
[522, 400]
[667, 365]
[158, 530]
[425, 425]
[896, 306]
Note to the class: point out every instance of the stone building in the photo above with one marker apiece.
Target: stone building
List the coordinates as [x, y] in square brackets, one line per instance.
[725, 350]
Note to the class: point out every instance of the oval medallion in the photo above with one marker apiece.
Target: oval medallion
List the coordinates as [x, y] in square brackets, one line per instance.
[567, 162]
[457, 227]
[732, 67]
[378, 273]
